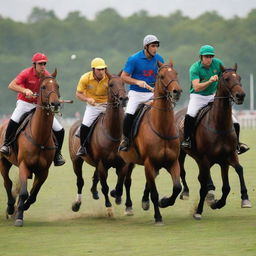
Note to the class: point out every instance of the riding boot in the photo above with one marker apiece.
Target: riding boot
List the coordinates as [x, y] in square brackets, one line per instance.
[128, 122]
[58, 158]
[9, 135]
[84, 132]
[241, 147]
[189, 123]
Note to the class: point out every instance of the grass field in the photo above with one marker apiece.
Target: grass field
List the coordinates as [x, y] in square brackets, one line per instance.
[51, 228]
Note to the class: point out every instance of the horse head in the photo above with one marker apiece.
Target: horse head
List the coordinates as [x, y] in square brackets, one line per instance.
[167, 82]
[49, 93]
[116, 92]
[230, 81]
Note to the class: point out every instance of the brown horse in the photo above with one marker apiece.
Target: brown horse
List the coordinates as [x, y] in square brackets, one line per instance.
[103, 145]
[215, 141]
[35, 149]
[157, 144]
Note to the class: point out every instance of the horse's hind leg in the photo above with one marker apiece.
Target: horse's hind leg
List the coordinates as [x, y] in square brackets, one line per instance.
[5, 166]
[217, 204]
[95, 181]
[77, 167]
[145, 198]
[175, 173]
[185, 193]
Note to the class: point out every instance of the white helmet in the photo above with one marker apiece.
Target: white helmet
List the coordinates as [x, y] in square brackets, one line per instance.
[149, 39]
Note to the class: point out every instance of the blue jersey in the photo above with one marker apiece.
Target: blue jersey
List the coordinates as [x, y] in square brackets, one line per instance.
[139, 67]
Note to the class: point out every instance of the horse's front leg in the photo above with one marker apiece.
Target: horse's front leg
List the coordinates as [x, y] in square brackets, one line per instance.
[128, 182]
[175, 174]
[77, 167]
[217, 204]
[246, 203]
[203, 177]
[95, 181]
[150, 173]
[5, 166]
[103, 175]
[185, 193]
[23, 195]
[38, 182]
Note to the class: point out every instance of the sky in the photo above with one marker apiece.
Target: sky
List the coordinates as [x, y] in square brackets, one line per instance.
[19, 10]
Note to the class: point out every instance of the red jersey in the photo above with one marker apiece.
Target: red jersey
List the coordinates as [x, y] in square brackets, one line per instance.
[28, 79]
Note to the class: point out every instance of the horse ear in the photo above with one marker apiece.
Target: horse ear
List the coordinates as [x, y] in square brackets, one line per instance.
[119, 74]
[235, 67]
[222, 68]
[159, 63]
[108, 74]
[171, 63]
[54, 74]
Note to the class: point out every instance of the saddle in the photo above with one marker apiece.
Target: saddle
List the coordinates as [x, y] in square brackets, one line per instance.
[77, 133]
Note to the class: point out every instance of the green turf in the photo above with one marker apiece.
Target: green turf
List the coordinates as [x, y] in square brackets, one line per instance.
[51, 228]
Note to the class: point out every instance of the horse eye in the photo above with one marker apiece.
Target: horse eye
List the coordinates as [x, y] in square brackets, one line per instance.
[43, 87]
[110, 85]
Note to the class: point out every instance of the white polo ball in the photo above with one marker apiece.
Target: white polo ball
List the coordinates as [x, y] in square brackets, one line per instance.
[73, 57]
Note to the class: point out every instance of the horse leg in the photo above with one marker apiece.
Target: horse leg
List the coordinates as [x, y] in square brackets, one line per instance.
[103, 175]
[203, 177]
[246, 203]
[38, 182]
[5, 166]
[210, 197]
[23, 195]
[185, 193]
[77, 167]
[145, 198]
[217, 204]
[95, 181]
[128, 182]
[150, 173]
[175, 174]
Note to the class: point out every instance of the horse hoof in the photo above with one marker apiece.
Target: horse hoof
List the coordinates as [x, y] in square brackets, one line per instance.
[110, 212]
[164, 202]
[145, 205]
[197, 216]
[210, 197]
[18, 223]
[95, 195]
[184, 196]
[10, 209]
[246, 204]
[113, 193]
[118, 200]
[159, 223]
[128, 211]
[76, 206]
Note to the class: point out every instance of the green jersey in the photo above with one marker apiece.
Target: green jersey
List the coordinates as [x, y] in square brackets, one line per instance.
[198, 71]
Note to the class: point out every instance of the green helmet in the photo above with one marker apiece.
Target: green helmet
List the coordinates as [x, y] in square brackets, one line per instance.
[207, 50]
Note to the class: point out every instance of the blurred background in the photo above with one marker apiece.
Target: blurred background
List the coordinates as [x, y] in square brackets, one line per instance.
[71, 34]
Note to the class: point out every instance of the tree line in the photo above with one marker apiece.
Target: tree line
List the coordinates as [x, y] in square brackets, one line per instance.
[114, 38]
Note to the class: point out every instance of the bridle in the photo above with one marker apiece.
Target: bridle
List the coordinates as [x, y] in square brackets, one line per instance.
[169, 95]
[44, 99]
[227, 87]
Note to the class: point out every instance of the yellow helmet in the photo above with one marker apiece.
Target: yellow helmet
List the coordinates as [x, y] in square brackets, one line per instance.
[98, 63]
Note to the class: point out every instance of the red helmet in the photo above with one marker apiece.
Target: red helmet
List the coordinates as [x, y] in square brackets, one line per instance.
[39, 57]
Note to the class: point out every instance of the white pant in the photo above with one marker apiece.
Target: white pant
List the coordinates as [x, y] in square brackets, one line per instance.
[198, 101]
[23, 107]
[136, 98]
[92, 112]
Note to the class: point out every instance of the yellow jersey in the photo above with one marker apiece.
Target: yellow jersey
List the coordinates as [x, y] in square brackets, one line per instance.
[90, 87]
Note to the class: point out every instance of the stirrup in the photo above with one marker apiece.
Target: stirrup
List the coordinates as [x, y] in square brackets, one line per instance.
[6, 150]
[124, 145]
[186, 143]
[59, 160]
[242, 148]
[82, 151]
